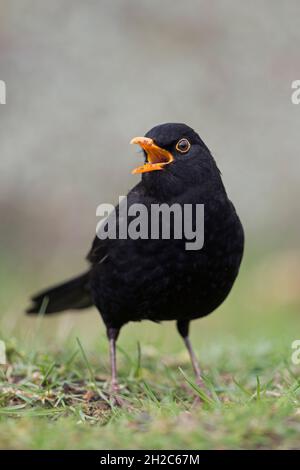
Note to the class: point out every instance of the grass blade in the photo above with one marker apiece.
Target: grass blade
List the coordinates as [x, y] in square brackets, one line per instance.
[204, 397]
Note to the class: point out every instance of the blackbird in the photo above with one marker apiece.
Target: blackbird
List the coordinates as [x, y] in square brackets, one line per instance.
[138, 278]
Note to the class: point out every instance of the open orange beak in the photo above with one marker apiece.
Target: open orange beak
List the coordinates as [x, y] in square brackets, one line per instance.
[157, 157]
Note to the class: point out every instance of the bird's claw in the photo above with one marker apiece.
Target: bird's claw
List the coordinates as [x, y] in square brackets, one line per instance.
[115, 397]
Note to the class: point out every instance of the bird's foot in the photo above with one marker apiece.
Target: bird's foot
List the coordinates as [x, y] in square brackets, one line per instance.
[115, 397]
[191, 391]
[200, 384]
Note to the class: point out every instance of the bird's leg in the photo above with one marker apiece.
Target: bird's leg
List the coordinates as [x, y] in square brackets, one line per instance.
[112, 334]
[183, 329]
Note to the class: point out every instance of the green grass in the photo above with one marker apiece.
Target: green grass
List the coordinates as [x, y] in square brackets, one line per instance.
[54, 388]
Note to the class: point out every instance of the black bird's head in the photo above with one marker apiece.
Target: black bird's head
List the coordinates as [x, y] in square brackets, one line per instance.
[175, 157]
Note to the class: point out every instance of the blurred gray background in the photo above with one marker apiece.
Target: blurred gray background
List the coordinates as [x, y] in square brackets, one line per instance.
[83, 78]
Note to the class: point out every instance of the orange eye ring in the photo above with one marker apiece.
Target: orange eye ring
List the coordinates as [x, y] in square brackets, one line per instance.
[183, 146]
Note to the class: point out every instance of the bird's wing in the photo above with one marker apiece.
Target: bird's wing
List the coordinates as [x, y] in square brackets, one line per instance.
[100, 247]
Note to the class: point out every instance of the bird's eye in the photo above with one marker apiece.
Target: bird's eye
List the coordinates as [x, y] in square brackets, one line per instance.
[183, 146]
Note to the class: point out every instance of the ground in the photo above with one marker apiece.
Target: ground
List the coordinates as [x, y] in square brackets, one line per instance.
[54, 386]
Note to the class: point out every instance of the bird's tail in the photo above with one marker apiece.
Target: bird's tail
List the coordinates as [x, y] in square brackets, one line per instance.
[72, 294]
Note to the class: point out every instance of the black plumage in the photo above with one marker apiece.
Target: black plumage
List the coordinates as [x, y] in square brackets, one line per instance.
[133, 280]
